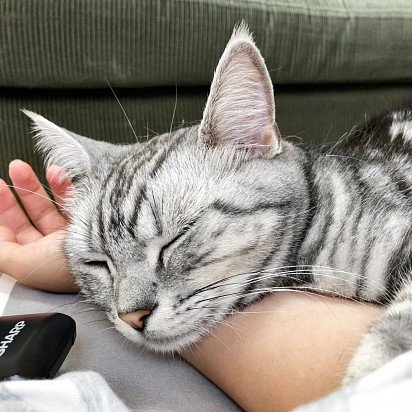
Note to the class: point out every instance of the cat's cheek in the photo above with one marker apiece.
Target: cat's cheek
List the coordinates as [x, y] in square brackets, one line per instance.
[99, 295]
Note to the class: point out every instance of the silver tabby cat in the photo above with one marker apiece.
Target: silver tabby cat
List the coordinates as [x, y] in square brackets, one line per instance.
[170, 236]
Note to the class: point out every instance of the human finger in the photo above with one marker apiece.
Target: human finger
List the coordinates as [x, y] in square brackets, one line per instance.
[35, 199]
[13, 217]
[60, 184]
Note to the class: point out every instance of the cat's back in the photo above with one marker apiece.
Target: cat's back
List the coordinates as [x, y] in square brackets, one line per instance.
[390, 133]
[380, 154]
[376, 160]
[363, 190]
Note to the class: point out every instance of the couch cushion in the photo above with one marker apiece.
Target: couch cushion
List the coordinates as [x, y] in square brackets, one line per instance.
[314, 114]
[72, 43]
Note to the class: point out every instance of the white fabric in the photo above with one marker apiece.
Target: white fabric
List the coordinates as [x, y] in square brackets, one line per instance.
[74, 391]
[6, 286]
[387, 389]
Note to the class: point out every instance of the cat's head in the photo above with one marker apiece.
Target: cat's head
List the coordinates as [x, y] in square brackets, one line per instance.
[171, 235]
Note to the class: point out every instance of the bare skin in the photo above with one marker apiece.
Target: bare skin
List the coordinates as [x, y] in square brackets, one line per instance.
[30, 249]
[283, 351]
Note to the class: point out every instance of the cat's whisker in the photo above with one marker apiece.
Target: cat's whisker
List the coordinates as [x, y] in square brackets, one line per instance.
[256, 279]
[82, 302]
[88, 310]
[105, 329]
[264, 290]
[197, 347]
[229, 312]
[66, 304]
[174, 112]
[261, 312]
[94, 321]
[253, 272]
[316, 272]
[234, 323]
[37, 194]
[39, 266]
[303, 292]
[218, 339]
[234, 276]
[189, 348]
[46, 188]
[225, 322]
[150, 130]
[222, 281]
[123, 110]
[239, 295]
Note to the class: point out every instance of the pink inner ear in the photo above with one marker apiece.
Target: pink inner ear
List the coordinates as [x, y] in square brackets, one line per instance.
[268, 138]
[242, 109]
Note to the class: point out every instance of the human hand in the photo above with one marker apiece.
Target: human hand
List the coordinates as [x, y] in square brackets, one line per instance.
[31, 245]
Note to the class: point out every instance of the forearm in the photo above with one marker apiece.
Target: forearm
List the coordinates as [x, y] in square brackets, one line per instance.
[287, 349]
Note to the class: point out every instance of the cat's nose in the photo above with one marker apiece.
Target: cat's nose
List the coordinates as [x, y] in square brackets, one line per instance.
[136, 320]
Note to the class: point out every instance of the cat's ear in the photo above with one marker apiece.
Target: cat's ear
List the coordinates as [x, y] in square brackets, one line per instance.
[74, 153]
[240, 109]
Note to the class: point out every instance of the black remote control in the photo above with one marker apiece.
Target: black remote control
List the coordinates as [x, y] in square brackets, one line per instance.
[34, 346]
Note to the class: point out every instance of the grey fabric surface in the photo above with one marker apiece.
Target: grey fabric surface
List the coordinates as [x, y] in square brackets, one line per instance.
[143, 381]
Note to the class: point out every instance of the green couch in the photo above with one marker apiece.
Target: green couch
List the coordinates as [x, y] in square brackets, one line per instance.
[332, 62]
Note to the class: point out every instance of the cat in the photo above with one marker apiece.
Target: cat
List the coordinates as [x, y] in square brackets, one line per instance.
[171, 235]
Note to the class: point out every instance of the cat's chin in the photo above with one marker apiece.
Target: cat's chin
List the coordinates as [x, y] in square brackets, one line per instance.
[170, 344]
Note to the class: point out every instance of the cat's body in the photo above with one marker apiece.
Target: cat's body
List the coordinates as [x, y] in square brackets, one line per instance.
[172, 235]
[362, 226]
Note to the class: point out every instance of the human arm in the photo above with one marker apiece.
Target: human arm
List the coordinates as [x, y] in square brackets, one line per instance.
[288, 349]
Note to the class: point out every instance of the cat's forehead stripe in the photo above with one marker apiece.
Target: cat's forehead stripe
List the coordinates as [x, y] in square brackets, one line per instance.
[128, 179]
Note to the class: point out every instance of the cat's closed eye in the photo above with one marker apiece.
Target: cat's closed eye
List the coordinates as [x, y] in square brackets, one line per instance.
[98, 264]
[185, 229]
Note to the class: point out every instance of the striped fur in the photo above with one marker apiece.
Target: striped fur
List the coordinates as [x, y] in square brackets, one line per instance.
[197, 223]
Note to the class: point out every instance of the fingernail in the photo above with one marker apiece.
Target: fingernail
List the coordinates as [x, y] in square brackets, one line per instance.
[16, 161]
